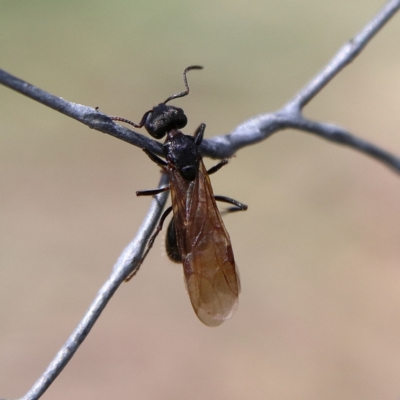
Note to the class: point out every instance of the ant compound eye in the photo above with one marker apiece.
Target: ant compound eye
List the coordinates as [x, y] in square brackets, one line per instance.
[164, 118]
[180, 119]
[153, 126]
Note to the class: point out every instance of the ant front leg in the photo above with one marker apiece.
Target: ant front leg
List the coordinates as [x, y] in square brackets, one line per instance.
[154, 157]
[198, 134]
[163, 164]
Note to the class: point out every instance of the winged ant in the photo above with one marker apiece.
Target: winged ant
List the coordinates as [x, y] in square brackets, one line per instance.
[196, 235]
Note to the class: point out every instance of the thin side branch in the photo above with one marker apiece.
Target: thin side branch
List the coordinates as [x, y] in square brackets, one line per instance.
[346, 54]
[250, 132]
[262, 126]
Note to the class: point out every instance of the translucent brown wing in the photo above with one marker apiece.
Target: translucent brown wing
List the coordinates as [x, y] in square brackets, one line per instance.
[205, 247]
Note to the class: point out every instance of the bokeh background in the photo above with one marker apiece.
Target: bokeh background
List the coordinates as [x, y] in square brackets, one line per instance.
[318, 249]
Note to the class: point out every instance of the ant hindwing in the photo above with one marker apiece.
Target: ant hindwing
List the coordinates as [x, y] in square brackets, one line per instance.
[196, 235]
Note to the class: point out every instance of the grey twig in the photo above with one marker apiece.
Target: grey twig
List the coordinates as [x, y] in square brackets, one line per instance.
[250, 132]
[126, 263]
[290, 116]
[253, 130]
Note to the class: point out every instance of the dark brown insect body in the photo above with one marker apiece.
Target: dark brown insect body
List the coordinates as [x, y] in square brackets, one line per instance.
[196, 235]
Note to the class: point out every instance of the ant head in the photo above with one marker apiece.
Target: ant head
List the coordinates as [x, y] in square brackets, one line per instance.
[163, 118]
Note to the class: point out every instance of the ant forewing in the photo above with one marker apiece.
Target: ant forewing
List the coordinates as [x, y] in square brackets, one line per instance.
[196, 235]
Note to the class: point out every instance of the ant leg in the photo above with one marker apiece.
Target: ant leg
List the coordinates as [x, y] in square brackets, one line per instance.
[151, 192]
[198, 134]
[163, 164]
[153, 157]
[150, 243]
[218, 166]
[238, 205]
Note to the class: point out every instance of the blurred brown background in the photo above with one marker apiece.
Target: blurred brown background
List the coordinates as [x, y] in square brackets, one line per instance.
[318, 249]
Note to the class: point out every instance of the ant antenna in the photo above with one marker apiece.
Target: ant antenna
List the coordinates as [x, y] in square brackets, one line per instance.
[186, 92]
